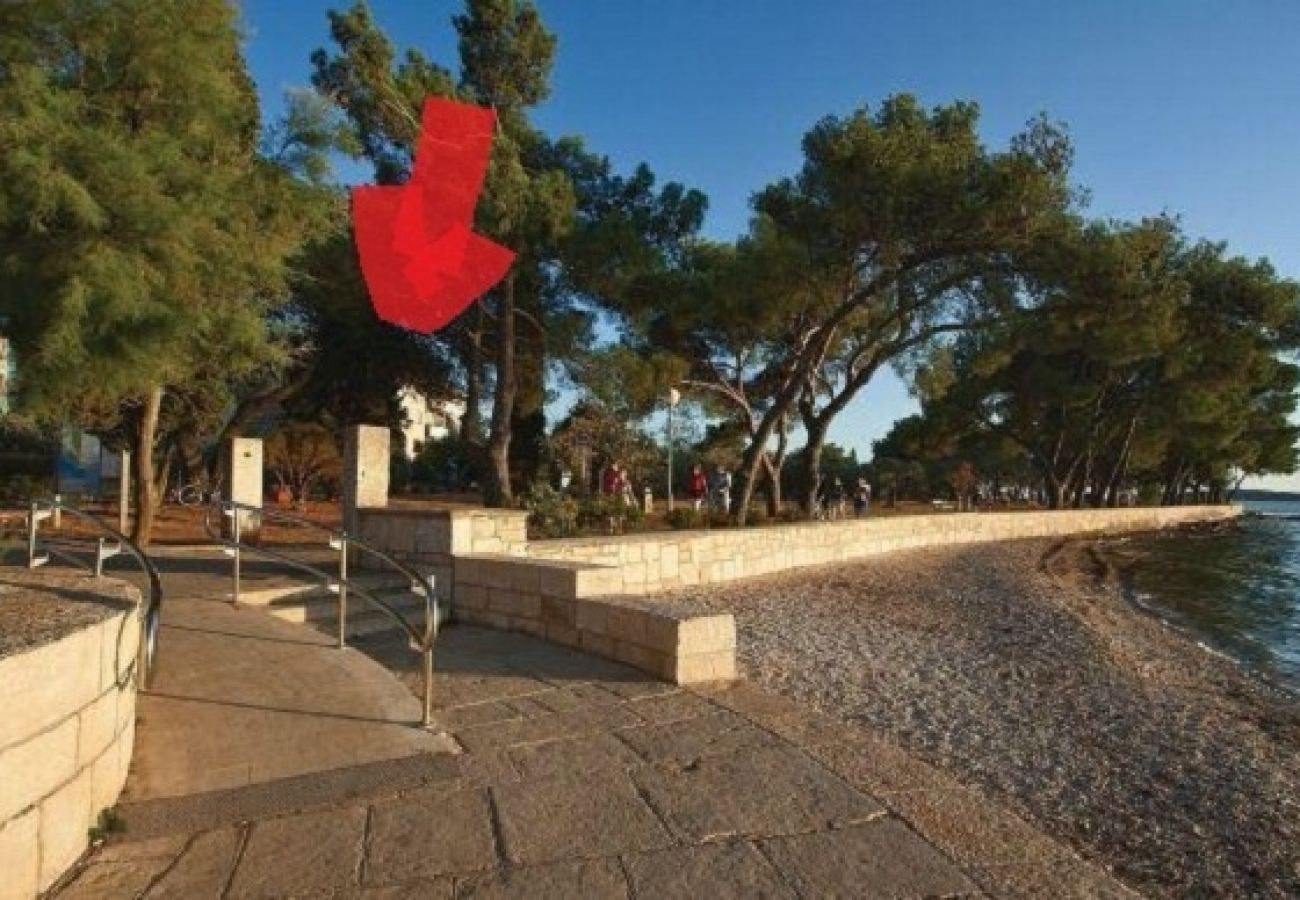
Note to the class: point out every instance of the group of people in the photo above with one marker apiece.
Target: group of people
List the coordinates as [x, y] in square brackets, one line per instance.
[616, 482]
[831, 499]
[716, 493]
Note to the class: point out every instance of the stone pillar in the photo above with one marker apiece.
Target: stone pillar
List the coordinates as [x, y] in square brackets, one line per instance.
[244, 481]
[366, 458]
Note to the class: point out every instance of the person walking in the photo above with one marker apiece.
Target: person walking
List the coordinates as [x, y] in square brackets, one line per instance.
[611, 482]
[722, 491]
[861, 497]
[698, 489]
[624, 488]
[837, 499]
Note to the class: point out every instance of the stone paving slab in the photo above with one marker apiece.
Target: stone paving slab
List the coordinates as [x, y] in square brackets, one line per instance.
[754, 792]
[609, 786]
[713, 870]
[879, 859]
[587, 878]
[314, 854]
[557, 818]
[428, 835]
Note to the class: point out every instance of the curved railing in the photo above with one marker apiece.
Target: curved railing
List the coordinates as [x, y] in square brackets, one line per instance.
[422, 638]
[110, 543]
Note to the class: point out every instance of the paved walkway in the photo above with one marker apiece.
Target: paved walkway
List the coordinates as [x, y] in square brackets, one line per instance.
[577, 778]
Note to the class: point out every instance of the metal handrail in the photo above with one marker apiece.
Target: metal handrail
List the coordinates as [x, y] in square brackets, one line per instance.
[422, 639]
[143, 665]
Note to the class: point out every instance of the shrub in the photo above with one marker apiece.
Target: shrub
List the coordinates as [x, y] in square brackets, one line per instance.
[684, 517]
[550, 513]
[602, 513]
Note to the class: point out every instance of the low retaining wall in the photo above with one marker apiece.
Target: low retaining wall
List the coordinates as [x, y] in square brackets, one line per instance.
[660, 561]
[66, 733]
[597, 593]
[428, 539]
[568, 603]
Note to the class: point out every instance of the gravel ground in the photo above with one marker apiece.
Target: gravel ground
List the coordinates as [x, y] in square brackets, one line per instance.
[41, 607]
[1020, 667]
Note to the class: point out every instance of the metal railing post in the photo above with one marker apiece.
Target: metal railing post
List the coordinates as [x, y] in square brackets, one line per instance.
[343, 592]
[427, 720]
[234, 531]
[32, 524]
[99, 558]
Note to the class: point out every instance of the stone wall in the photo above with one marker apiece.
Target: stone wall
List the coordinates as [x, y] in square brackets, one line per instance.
[66, 737]
[661, 561]
[569, 603]
[428, 538]
[596, 594]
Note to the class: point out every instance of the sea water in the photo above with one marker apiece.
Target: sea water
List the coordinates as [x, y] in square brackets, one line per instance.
[1236, 589]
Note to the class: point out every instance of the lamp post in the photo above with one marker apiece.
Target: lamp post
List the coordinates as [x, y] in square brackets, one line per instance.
[674, 397]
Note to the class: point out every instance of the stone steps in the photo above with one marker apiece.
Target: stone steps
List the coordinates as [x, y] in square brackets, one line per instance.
[320, 609]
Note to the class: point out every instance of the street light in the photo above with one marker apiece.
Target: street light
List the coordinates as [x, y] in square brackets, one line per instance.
[674, 397]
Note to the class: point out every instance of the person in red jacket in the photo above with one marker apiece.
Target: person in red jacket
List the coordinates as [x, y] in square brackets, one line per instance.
[611, 482]
[698, 488]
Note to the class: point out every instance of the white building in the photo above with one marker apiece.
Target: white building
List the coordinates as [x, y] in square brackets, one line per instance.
[427, 420]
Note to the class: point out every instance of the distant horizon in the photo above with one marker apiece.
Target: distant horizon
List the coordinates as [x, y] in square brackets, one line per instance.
[1156, 95]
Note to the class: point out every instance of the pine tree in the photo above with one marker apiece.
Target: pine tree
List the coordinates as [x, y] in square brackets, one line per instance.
[143, 237]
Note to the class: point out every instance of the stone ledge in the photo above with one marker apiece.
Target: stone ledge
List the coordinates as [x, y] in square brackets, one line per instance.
[66, 739]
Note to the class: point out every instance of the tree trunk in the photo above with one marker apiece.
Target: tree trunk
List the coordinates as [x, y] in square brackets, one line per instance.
[812, 462]
[471, 423]
[146, 486]
[775, 464]
[1055, 493]
[1120, 471]
[503, 400]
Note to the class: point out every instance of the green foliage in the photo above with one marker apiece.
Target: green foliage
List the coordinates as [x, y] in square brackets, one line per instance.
[143, 237]
[604, 514]
[446, 465]
[109, 823]
[899, 229]
[1144, 360]
[685, 517]
[593, 436]
[551, 514]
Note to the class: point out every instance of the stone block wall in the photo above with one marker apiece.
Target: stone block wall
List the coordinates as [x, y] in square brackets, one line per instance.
[569, 603]
[597, 594]
[66, 738]
[662, 561]
[428, 539]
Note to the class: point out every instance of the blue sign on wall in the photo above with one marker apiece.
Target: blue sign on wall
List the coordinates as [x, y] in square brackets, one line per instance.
[79, 464]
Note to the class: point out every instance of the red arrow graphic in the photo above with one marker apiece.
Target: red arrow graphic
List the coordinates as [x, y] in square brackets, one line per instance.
[422, 263]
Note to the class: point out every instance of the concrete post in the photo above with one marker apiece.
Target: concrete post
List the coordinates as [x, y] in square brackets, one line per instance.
[366, 458]
[244, 482]
[124, 491]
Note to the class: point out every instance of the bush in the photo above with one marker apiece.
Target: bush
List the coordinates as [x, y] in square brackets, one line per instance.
[601, 513]
[684, 517]
[551, 514]
[719, 519]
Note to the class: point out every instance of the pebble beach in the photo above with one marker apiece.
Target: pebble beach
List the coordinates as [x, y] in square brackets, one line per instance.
[1022, 669]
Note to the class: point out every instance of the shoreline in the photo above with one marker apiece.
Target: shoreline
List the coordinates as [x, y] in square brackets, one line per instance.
[1024, 669]
[1122, 570]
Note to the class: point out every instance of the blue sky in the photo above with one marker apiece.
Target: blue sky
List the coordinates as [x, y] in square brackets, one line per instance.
[1183, 106]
